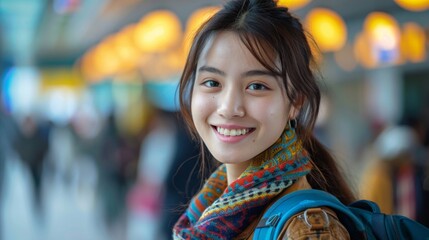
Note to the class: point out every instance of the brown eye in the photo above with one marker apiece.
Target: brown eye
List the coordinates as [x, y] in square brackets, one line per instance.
[211, 83]
[257, 86]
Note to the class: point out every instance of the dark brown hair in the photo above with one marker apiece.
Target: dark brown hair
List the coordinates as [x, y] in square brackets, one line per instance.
[266, 28]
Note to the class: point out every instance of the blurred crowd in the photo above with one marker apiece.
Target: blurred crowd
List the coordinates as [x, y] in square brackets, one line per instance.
[140, 181]
[396, 168]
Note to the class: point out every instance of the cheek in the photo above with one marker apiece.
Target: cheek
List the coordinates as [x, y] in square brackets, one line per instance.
[200, 106]
[276, 111]
[275, 106]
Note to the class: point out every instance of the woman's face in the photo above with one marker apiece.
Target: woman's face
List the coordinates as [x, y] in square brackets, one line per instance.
[238, 107]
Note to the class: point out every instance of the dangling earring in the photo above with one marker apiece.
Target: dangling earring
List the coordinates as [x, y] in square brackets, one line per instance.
[292, 123]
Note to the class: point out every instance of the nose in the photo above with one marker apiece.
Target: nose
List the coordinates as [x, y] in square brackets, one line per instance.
[231, 105]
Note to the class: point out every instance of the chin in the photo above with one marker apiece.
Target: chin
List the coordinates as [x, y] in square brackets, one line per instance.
[229, 160]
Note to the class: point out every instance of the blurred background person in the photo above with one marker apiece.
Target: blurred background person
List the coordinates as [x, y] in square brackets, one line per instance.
[167, 174]
[117, 170]
[147, 196]
[61, 153]
[398, 175]
[32, 146]
[183, 179]
[7, 132]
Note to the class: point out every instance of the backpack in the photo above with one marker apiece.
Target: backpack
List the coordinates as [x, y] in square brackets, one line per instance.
[362, 219]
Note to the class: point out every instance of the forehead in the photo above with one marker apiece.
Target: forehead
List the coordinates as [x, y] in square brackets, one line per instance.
[228, 46]
[224, 46]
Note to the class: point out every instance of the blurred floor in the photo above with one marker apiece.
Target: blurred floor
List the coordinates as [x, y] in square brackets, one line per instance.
[69, 212]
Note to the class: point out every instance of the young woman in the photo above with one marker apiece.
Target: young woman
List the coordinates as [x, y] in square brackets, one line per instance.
[249, 95]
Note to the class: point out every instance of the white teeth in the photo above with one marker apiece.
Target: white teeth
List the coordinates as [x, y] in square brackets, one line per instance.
[232, 132]
[226, 132]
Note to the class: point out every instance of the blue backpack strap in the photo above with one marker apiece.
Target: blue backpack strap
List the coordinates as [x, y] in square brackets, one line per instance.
[277, 215]
[377, 219]
[387, 226]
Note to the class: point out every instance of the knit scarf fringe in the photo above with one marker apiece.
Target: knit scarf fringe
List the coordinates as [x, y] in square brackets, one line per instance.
[222, 211]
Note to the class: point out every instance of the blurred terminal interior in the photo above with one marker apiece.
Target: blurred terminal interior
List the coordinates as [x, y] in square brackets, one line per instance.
[100, 70]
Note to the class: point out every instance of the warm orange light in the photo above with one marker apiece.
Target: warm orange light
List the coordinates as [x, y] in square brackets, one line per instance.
[87, 68]
[315, 50]
[382, 30]
[383, 34]
[362, 51]
[158, 31]
[327, 28]
[124, 48]
[161, 66]
[195, 20]
[175, 61]
[105, 60]
[413, 5]
[293, 4]
[198, 17]
[413, 42]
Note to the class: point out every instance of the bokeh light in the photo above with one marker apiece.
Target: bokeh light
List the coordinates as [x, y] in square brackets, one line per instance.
[327, 28]
[293, 4]
[383, 34]
[125, 49]
[194, 22]
[413, 42]
[362, 51]
[158, 31]
[413, 5]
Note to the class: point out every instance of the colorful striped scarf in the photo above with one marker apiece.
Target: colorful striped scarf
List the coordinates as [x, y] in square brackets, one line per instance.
[220, 211]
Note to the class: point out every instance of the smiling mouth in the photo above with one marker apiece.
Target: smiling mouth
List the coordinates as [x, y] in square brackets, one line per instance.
[233, 132]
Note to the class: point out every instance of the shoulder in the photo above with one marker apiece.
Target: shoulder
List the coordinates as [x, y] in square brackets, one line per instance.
[314, 223]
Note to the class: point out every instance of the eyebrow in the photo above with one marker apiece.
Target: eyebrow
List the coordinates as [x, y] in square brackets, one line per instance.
[250, 73]
[259, 73]
[211, 70]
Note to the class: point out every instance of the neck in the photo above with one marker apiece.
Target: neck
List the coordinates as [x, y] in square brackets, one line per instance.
[234, 170]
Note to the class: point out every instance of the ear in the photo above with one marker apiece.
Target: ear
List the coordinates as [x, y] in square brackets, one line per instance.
[294, 111]
[295, 107]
